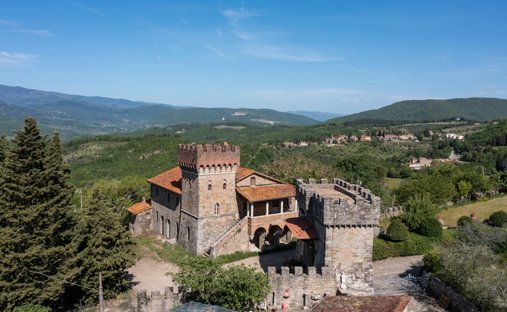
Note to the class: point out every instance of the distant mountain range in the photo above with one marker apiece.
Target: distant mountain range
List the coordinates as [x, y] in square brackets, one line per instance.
[77, 116]
[320, 116]
[480, 109]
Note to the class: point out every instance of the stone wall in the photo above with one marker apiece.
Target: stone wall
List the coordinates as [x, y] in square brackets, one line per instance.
[446, 296]
[143, 302]
[141, 224]
[349, 246]
[167, 205]
[236, 239]
[301, 284]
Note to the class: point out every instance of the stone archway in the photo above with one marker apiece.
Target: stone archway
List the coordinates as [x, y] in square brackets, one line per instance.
[259, 237]
[274, 234]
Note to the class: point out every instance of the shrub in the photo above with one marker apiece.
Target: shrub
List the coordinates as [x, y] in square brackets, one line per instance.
[31, 308]
[464, 220]
[498, 218]
[397, 231]
[414, 245]
[430, 227]
[433, 261]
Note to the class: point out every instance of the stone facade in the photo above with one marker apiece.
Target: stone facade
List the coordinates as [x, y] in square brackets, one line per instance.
[141, 224]
[200, 203]
[298, 286]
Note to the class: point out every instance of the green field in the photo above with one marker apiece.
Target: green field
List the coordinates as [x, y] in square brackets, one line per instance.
[482, 209]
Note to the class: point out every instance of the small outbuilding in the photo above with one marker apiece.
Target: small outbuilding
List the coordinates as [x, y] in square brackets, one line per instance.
[140, 222]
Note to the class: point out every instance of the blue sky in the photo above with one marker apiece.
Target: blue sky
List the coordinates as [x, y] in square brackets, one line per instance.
[335, 56]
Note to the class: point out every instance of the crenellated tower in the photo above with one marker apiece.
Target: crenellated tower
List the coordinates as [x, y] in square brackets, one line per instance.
[208, 188]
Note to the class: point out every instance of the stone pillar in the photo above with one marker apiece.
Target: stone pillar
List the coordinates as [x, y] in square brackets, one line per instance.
[281, 205]
[250, 210]
[267, 207]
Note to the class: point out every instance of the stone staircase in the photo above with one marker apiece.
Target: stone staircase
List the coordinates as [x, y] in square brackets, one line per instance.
[226, 237]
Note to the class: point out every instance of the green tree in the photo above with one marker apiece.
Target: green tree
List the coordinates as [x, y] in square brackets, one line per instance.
[32, 308]
[418, 209]
[103, 245]
[464, 189]
[34, 224]
[237, 287]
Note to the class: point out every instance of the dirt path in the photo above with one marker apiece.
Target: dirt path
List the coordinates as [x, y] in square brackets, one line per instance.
[149, 272]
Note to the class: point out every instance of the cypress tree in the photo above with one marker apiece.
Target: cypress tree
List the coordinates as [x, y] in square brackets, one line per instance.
[33, 221]
[104, 246]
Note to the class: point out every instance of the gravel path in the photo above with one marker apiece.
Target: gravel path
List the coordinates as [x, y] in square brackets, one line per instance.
[149, 272]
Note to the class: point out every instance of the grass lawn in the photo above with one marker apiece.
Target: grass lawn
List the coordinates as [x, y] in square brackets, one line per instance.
[482, 209]
[177, 254]
[392, 183]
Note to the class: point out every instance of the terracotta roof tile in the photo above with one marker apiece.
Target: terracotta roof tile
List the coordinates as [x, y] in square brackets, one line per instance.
[267, 192]
[242, 173]
[170, 180]
[363, 304]
[139, 207]
[301, 228]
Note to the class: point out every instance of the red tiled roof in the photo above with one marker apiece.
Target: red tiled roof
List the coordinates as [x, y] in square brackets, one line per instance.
[139, 207]
[363, 304]
[242, 173]
[266, 192]
[301, 228]
[170, 180]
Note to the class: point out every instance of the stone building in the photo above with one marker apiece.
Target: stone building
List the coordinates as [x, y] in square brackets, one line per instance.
[335, 233]
[140, 222]
[212, 206]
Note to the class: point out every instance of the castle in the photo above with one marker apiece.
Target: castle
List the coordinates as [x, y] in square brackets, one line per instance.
[212, 206]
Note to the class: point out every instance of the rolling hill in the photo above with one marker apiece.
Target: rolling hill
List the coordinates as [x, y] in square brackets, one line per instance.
[78, 116]
[480, 109]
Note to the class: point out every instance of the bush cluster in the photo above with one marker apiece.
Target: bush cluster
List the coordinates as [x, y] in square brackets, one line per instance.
[397, 231]
[464, 220]
[498, 218]
[415, 244]
[430, 227]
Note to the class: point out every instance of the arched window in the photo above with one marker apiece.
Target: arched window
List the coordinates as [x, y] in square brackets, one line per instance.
[252, 181]
[188, 233]
[217, 208]
[224, 186]
[168, 230]
[209, 186]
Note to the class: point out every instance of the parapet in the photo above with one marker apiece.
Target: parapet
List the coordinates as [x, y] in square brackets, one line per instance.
[339, 203]
[195, 156]
[300, 286]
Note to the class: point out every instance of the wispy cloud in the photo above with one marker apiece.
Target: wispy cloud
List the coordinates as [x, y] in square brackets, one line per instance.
[217, 51]
[8, 22]
[236, 15]
[13, 58]
[86, 8]
[38, 32]
[284, 54]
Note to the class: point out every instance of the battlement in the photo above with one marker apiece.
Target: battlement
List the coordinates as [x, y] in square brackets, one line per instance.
[353, 191]
[339, 203]
[196, 156]
[300, 286]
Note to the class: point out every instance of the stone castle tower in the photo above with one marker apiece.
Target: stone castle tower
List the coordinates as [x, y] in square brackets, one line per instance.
[208, 187]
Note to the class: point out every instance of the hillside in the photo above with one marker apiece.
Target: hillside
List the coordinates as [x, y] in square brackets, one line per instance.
[78, 116]
[480, 109]
[320, 116]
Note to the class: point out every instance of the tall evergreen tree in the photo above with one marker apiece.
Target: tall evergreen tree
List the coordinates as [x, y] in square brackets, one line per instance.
[104, 246]
[34, 224]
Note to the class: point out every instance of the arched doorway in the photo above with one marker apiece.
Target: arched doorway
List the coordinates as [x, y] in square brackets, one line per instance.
[273, 237]
[260, 237]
